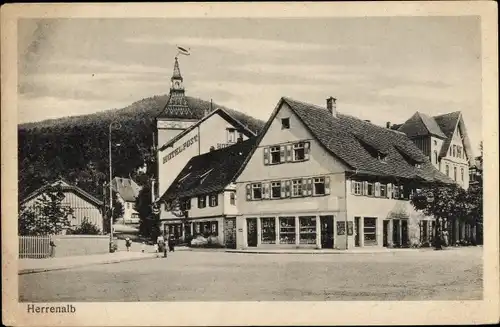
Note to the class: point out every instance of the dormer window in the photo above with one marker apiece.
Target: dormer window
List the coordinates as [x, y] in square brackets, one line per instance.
[372, 148]
[417, 165]
[204, 176]
[231, 135]
[285, 123]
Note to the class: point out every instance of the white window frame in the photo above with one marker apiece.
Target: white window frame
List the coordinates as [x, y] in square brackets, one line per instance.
[213, 198]
[232, 198]
[275, 184]
[231, 135]
[259, 187]
[274, 149]
[319, 180]
[204, 202]
[297, 185]
[297, 147]
[358, 189]
[383, 194]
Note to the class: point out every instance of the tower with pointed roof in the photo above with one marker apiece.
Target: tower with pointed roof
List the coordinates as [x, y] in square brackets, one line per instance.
[177, 115]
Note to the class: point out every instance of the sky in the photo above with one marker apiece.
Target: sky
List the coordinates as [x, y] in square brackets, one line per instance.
[379, 68]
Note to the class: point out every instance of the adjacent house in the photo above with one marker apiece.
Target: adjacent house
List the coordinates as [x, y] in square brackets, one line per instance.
[127, 191]
[202, 198]
[83, 204]
[318, 178]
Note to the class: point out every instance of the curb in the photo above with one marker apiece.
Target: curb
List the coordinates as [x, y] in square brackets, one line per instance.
[329, 252]
[40, 270]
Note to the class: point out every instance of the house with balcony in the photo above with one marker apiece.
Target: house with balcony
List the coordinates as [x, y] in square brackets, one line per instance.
[202, 198]
[318, 178]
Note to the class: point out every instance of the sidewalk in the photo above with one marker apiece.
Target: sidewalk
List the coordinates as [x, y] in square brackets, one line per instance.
[366, 250]
[29, 266]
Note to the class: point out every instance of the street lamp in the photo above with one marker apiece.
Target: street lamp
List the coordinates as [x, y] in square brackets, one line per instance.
[111, 125]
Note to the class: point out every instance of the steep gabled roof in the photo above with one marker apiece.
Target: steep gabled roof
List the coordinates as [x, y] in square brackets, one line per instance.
[210, 172]
[449, 123]
[65, 186]
[219, 111]
[421, 125]
[339, 135]
[127, 188]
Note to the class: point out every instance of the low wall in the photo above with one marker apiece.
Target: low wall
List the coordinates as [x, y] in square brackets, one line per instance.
[73, 245]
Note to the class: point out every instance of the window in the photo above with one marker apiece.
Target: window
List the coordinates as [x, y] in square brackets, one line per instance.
[268, 230]
[257, 191]
[232, 198]
[298, 152]
[275, 155]
[435, 142]
[396, 191]
[370, 191]
[214, 228]
[418, 165]
[435, 156]
[297, 187]
[462, 174]
[356, 187]
[455, 173]
[447, 170]
[319, 186]
[214, 200]
[186, 204]
[287, 230]
[275, 190]
[135, 215]
[459, 151]
[196, 228]
[370, 231]
[231, 135]
[128, 205]
[383, 191]
[307, 230]
[202, 201]
[454, 153]
[285, 123]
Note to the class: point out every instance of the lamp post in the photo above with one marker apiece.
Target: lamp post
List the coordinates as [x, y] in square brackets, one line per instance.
[111, 125]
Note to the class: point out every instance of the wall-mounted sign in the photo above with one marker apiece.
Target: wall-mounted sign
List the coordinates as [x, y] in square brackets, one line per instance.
[240, 229]
[174, 124]
[181, 148]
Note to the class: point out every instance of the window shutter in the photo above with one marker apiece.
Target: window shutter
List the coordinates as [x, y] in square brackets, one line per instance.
[265, 192]
[353, 189]
[249, 192]
[304, 187]
[283, 191]
[309, 186]
[401, 192]
[306, 150]
[289, 152]
[327, 185]
[365, 188]
[266, 156]
[282, 153]
[377, 189]
[287, 189]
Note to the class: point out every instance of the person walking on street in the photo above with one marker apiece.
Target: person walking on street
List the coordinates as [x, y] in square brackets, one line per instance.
[171, 243]
[128, 243]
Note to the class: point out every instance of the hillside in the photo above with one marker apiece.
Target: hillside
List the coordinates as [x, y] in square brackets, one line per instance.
[76, 148]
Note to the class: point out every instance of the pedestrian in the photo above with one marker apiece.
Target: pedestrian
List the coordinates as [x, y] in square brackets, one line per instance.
[445, 238]
[164, 249]
[171, 243]
[128, 244]
[156, 247]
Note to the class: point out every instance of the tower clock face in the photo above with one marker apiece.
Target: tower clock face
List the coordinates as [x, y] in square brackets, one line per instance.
[177, 85]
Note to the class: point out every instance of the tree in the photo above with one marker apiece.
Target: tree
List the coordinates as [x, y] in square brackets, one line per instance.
[149, 225]
[86, 228]
[47, 216]
[118, 211]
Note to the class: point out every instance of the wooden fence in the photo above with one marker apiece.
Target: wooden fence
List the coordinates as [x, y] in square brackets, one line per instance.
[37, 247]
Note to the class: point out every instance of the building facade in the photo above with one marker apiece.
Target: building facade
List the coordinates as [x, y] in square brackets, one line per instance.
[126, 192]
[320, 179]
[84, 206]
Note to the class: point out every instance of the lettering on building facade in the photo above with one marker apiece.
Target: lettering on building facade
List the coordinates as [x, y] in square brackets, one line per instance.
[181, 148]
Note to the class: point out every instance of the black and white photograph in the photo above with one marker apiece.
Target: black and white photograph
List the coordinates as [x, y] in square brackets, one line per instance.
[278, 157]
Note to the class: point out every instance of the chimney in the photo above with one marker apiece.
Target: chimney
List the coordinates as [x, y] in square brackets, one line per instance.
[212, 148]
[388, 124]
[331, 106]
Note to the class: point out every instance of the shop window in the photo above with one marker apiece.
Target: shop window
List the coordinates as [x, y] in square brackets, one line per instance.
[232, 198]
[287, 230]
[370, 189]
[202, 201]
[275, 190]
[197, 228]
[319, 186]
[285, 123]
[257, 191]
[214, 200]
[299, 151]
[383, 190]
[297, 187]
[356, 188]
[275, 155]
[307, 230]
[370, 231]
[268, 230]
[214, 228]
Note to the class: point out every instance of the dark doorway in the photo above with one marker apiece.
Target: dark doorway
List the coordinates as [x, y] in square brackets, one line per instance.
[396, 236]
[386, 232]
[252, 231]
[356, 231]
[404, 233]
[326, 232]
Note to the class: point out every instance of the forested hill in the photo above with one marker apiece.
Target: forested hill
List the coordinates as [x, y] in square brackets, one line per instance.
[76, 148]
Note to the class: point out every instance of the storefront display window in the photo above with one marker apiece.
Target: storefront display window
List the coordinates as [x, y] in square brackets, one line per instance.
[268, 230]
[307, 230]
[287, 230]
[370, 231]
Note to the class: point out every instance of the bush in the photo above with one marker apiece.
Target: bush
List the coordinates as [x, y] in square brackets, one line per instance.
[86, 228]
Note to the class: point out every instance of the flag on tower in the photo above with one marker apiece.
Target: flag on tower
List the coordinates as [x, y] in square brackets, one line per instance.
[183, 51]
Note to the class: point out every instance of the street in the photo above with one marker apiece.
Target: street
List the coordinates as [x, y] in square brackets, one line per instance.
[454, 274]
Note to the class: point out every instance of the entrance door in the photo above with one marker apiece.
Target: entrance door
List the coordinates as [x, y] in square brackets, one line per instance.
[404, 232]
[396, 239]
[326, 232]
[386, 232]
[252, 231]
[356, 232]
